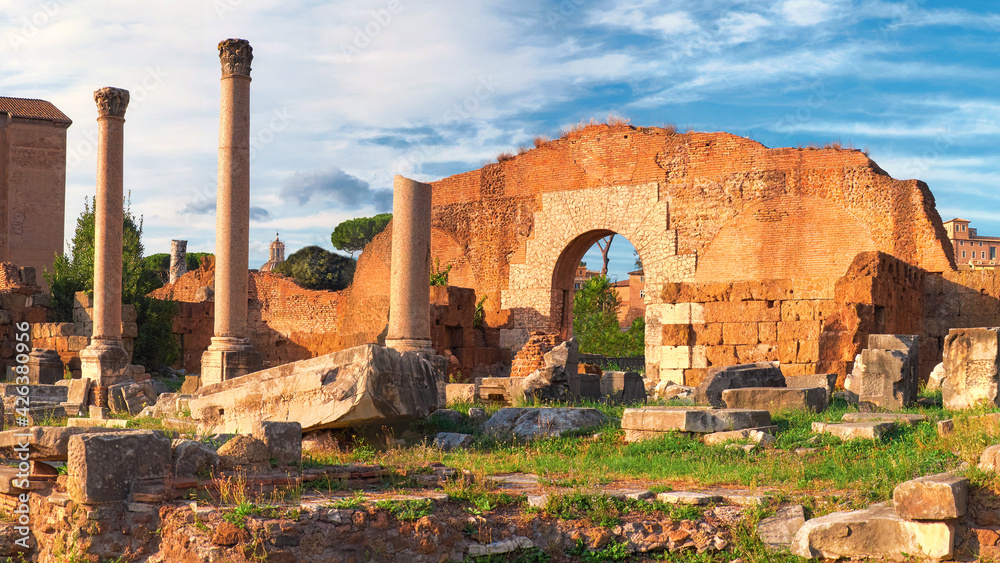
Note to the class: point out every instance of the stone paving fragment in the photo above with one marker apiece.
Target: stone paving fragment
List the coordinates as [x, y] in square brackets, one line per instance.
[872, 533]
[447, 441]
[546, 422]
[933, 497]
[771, 399]
[898, 418]
[687, 497]
[853, 430]
[690, 419]
[756, 435]
[778, 531]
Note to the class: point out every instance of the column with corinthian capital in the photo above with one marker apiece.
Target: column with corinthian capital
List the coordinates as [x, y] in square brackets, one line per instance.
[105, 359]
[231, 354]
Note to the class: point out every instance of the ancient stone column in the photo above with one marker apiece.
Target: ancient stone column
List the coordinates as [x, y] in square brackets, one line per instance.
[230, 354]
[409, 290]
[178, 259]
[105, 360]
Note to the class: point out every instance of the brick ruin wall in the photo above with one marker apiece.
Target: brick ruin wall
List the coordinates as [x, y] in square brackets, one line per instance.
[700, 208]
[287, 322]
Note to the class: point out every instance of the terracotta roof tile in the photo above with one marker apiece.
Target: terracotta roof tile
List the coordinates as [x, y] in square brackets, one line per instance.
[32, 109]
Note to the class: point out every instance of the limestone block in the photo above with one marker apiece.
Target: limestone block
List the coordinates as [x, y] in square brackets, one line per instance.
[623, 387]
[934, 497]
[762, 435]
[102, 467]
[97, 423]
[988, 460]
[853, 430]
[460, 393]
[244, 452]
[970, 360]
[937, 377]
[283, 440]
[761, 374]
[529, 423]
[825, 380]
[675, 357]
[447, 441]
[38, 394]
[778, 531]
[82, 300]
[670, 313]
[693, 419]
[884, 378]
[128, 397]
[774, 399]
[872, 533]
[363, 385]
[191, 384]
[688, 497]
[192, 458]
[895, 417]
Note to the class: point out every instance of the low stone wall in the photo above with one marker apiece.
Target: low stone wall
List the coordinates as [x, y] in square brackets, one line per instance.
[67, 339]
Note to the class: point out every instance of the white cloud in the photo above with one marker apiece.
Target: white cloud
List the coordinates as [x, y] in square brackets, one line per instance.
[806, 12]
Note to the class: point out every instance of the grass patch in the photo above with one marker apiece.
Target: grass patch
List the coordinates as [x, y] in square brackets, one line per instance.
[407, 510]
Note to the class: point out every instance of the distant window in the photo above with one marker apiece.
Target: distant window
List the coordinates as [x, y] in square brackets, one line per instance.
[963, 254]
[642, 293]
[980, 243]
[993, 253]
[961, 243]
[642, 279]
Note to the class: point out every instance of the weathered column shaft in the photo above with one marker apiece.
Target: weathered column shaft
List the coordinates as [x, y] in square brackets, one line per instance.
[232, 222]
[230, 354]
[108, 213]
[104, 360]
[178, 259]
[409, 295]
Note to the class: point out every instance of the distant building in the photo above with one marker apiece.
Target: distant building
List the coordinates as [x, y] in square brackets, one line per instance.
[582, 275]
[32, 182]
[276, 255]
[632, 293]
[972, 251]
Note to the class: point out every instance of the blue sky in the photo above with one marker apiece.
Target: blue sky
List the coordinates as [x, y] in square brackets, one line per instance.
[347, 94]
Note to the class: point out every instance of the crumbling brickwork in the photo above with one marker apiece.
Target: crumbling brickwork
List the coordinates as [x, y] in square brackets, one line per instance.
[531, 356]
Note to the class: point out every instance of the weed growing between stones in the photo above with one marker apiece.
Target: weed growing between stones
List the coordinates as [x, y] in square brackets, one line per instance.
[407, 510]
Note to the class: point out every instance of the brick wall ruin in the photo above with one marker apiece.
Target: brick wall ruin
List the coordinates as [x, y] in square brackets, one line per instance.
[749, 254]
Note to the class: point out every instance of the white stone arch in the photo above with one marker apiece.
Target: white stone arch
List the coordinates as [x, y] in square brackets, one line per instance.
[570, 219]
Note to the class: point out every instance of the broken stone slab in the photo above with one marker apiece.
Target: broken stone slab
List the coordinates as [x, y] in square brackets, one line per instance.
[772, 399]
[447, 441]
[763, 435]
[500, 547]
[667, 390]
[543, 422]
[38, 394]
[243, 451]
[283, 440]
[192, 458]
[77, 394]
[460, 393]
[937, 377]
[854, 430]
[97, 423]
[718, 379]
[129, 397]
[885, 377]
[896, 417]
[875, 532]
[970, 360]
[778, 531]
[934, 497]
[693, 419]
[988, 459]
[827, 381]
[44, 443]
[355, 387]
[103, 467]
[626, 387]
[688, 497]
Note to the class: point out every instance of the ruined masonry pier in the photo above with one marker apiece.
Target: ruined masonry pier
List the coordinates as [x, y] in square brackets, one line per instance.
[409, 290]
[105, 360]
[230, 353]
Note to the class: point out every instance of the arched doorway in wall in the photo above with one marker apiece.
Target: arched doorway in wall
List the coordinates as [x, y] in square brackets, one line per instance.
[571, 272]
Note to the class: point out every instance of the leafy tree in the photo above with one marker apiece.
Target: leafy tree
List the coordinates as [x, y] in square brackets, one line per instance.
[352, 235]
[595, 322]
[316, 268]
[155, 345]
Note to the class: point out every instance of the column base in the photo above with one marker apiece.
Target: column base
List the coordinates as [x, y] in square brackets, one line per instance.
[410, 345]
[228, 358]
[104, 361]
